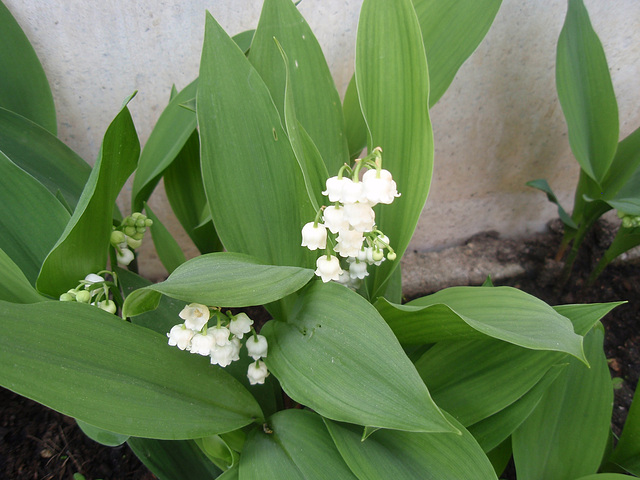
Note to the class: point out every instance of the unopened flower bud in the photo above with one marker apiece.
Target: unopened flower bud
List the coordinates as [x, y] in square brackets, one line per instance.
[148, 222]
[133, 243]
[391, 256]
[67, 297]
[117, 237]
[83, 296]
[129, 230]
[108, 306]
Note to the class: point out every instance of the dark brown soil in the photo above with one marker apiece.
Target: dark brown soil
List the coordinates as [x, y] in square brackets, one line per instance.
[37, 443]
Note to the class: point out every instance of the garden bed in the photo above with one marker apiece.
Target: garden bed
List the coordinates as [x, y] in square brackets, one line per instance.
[37, 443]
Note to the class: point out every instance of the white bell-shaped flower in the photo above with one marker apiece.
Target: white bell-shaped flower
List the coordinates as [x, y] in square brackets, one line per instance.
[240, 325]
[195, 316]
[334, 189]
[358, 270]
[334, 219]
[220, 334]
[328, 268]
[257, 372]
[222, 355]
[235, 352]
[352, 192]
[203, 344]
[360, 216]
[379, 186]
[314, 236]
[257, 346]
[93, 278]
[124, 256]
[180, 336]
[349, 243]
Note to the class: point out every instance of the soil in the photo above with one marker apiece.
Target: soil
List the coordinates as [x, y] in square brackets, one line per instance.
[38, 443]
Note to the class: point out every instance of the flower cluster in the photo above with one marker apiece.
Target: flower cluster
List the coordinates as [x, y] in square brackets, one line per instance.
[94, 290]
[351, 222]
[129, 236]
[629, 221]
[222, 341]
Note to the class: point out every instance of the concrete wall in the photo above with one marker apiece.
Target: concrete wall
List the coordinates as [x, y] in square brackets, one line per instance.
[498, 126]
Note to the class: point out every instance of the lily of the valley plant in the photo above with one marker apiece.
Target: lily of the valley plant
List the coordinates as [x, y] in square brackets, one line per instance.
[305, 205]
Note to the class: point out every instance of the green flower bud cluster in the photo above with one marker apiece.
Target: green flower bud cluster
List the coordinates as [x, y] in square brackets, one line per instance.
[93, 290]
[129, 236]
[631, 221]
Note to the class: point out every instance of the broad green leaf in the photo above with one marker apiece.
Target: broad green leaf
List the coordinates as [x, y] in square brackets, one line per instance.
[218, 451]
[231, 474]
[43, 156]
[185, 192]
[174, 127]
[473, 380]
[625, 164]
[174, 459]
[169, 252]
[395, 105]
[500, 456]
[313, 168]
[83, 246]
[32, 218]
[355, 126]
[222, 279]
[627, 198]
[627, 451]
[99, 435]
[14, 286]
[504, 313]
[387, 454]
[541, 184]
[585, 316]
[336, 355]
[496, 429]
[572, 421]
[293, 445]
[244, 39]
[24, 88]
[317, 103]
[114, 375]
[451, 31]
[255, 188]
[586, 93]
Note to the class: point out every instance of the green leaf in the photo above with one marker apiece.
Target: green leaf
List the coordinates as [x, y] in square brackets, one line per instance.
[317, 103]
[174, 127]
[14, 286]
[572, 421]
[541, 184]
[496, 429]
[296, 446]
[114, 375]
[336, 355]
[504, 313]
[451, 31]
[605, 476]
[185, 192]
[626, 164]
[475, 379]
[24, 88]
[627, 452]
[218, 451]
[83, 246]
[222, 279]
[255, 188]
[160, 320]
[43, 156]
[313, 168]
[356, 127]
[244, 39]
[167, 248]
[411, 455]
[625, 240]
[32, 218]
[395, 105]
[586, 93]
[585, 316]
[99, 435]
[174, 460]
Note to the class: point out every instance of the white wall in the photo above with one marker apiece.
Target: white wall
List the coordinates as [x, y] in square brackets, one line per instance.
[498, 126]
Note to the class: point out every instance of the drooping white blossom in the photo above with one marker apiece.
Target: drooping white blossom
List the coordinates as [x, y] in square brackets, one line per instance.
[334, 219]
[314, 236]
[220, 334]
[180, 336]
[328, 268]
[358, 270]
[360, 216]
[222, 354]
[257, 346]
[202, 344]
[93, 278]
[379, 186]
[240, 325]
[349, 243]
[124, 256]
[257, 372]
[195, 316]
[335, 187]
